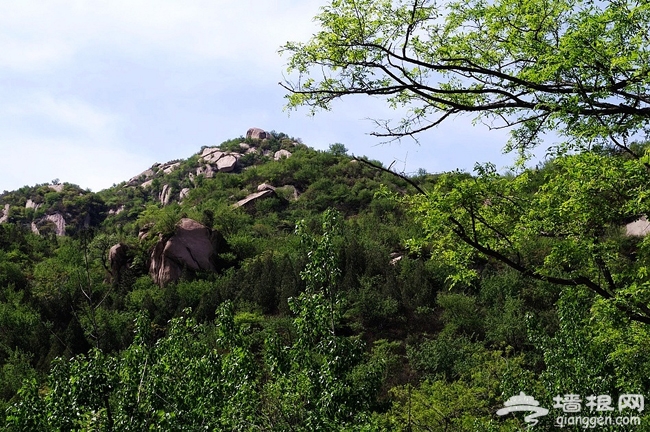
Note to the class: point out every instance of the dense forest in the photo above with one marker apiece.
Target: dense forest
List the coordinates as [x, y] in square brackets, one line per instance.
[339, 300]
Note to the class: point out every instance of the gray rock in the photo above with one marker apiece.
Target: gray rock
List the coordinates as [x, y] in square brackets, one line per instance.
[56, 187]
[244, 146]
[265, 186]
[168, 169]
[638, 228]
[143, 176]
[208, 171]
[165, 195]
[146, 184]
[117, 211]
[258, 134]
[118, 261]
[281, 154]
[32, 205]
[144, 231]
[59, 223]
[250, 200]
[227, 163]
[183, 194]
[191, 247]
[5, 214]
[35, 229]
[211, 156]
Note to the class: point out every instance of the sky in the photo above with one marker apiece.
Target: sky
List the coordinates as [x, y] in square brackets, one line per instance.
[95, 92]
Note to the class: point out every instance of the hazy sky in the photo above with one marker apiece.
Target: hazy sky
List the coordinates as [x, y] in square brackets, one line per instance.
[94, 92]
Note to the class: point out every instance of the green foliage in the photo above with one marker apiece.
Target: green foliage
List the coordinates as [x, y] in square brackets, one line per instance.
[566, 231]
[199, 376]
[567, 66]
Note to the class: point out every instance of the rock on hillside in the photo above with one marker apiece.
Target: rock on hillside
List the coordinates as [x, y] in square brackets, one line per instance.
[192, 247]
[5, 214]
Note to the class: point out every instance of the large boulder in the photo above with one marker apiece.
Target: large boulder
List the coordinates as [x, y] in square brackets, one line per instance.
[118, 260]
[211, 154]
[227, 163]
[192, 248]
[281, 154]
[207, 171]
[258, 134]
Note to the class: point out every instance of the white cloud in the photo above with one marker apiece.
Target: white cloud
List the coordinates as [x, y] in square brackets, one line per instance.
[41, 35]
[72, 114]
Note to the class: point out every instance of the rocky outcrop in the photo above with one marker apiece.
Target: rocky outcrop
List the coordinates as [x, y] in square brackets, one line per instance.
[211, 154]
[207, 171]
[56, 187]
[258, 134]
[281, 154]
[146, 184]
[638, 228]
[118, 260]
[244, 146]
[32, 205]
[165, 195]
[250, 200]
[142, 177]
[59, 223]
[116, 211]
[192, 247]
[4, 214]
[169, 168]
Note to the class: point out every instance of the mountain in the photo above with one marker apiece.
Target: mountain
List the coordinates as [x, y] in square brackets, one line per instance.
[257, 282]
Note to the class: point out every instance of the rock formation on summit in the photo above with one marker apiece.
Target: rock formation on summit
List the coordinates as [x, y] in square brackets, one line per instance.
[258, 134]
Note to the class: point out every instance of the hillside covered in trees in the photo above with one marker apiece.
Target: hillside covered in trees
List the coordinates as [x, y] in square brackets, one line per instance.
[321, 292]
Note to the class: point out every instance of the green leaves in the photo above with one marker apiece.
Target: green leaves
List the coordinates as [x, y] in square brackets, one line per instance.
[577, 68]
[562, 225]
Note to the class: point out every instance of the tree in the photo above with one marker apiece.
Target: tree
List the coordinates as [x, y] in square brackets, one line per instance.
[578, 68]
[562, 225]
